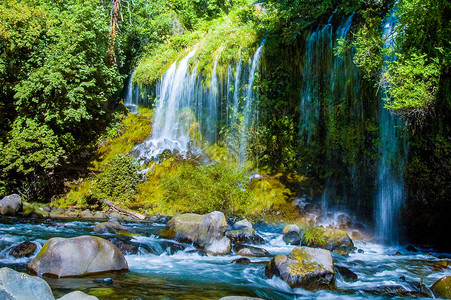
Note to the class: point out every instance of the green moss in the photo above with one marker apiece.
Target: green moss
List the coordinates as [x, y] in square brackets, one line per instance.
[303, 264]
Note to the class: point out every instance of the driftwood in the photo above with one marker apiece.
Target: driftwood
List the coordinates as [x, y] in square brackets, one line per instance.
[124, 210]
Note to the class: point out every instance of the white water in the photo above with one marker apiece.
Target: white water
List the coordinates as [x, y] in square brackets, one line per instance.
[390, 186]
[213, 277]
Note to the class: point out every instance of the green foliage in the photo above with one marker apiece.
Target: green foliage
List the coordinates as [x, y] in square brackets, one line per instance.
[32, 147]
[313, 235]
[119, 181]
[413, 84]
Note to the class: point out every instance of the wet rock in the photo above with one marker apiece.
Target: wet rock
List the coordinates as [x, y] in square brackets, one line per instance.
[99, 215]
[115, 216]
[332, 239]
[110, 227]
[241, 260]
[86, 214]
[244, 233]
[398, 253]
[417, 287]
[242, 224]
[292, 238]
[360, 251]
[390, 291]
[347, 274]
[411, 248]
[105, 281]
[10, 205]
[77, 256]
[344, 221]
[304, 267]
[442, 288]
[206, 232]
[18, 286]
[24, 249]
[77, 295]
[291, 228]
[245, 250]
[124, 246]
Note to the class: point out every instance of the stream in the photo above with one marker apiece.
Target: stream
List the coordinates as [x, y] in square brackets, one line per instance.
[157, 272]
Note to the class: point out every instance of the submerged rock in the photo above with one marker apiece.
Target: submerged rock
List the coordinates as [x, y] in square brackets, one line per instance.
[347, 274]
[77, 256]
[332, 239]
[241, 260]
[124, 246]
[206, 232]
[26, 249]
[19, 286]
[77, 295]
[442, 288]
[10, 205]
[110, 227]
[304, 267]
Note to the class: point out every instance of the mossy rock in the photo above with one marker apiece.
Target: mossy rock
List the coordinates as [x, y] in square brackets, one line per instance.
[332, 239]
[206, 232]
[442, 288]
[24, 249]
[304, 267]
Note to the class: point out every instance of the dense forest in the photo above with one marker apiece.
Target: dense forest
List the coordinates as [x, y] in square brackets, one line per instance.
[65, 134]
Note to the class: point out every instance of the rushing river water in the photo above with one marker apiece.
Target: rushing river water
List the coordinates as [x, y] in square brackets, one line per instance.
[155, 273]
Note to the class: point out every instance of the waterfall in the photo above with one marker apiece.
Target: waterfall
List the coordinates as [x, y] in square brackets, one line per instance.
[186, 103]
[130, 100]
[330, 95]
[390, 186]
[249, 109]
[173, 115]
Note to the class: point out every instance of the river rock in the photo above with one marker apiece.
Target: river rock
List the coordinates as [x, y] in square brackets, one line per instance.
[244, 233]
[10, 205]
[19, 286]
[110, 227]
[98, 215]
[347, 274]
[86, 214]
[332, 239]
[77, 256]
[244, 223]
[292, 238]
[206, 232]
[77, 295]
[245, 250]
[241, 260]
[291, 228]
[304, 267]
[442, 288]
[124, 246]
[24, 249]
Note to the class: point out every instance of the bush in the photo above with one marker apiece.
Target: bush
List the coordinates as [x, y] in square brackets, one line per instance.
[119, 181]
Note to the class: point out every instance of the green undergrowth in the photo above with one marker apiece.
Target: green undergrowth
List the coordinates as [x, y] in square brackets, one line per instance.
[113, 172]
[179, 186]
[225, 39]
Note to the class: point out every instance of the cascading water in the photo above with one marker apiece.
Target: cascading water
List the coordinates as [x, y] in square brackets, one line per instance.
[184, 104]
[330, 94]
[390, 187]
[130, 101]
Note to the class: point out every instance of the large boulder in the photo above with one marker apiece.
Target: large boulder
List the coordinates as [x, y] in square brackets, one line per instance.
[304, 267]
[442, 288]
[26, 249]
[206, 232]
[332, 239]
[10, 205]
[77, 256]
[20, 286]
[77, 295]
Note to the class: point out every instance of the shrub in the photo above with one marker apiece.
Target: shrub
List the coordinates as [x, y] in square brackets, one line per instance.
[119, 181]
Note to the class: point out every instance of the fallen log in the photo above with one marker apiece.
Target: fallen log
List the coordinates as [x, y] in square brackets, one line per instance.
[122, 209]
